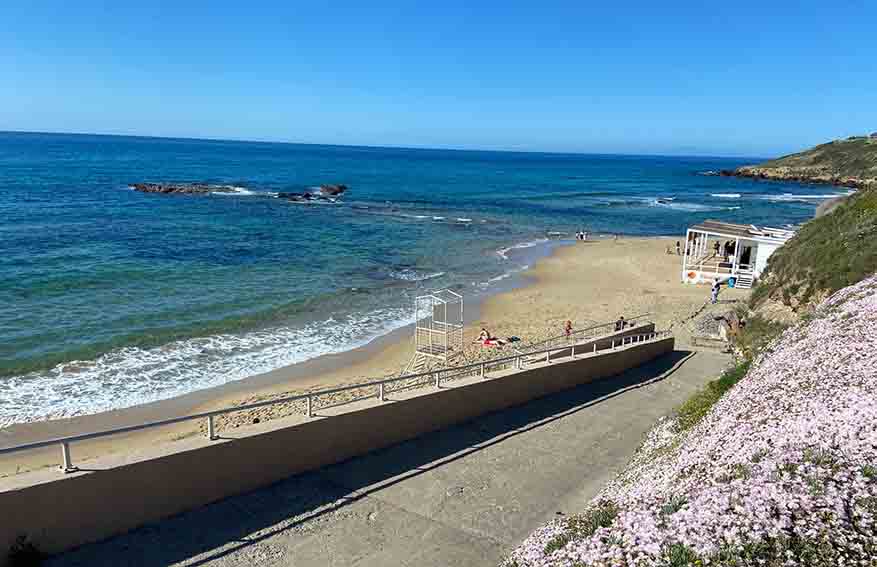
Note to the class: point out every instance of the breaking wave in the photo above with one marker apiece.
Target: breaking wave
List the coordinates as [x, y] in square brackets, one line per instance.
[133, 375]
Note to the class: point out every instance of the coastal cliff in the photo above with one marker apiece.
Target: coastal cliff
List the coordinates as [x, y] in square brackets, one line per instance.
[851, 162]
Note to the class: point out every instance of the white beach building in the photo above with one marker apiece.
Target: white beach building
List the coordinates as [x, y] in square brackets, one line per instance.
[739, 258]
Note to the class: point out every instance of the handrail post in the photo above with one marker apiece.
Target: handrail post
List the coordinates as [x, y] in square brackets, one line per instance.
[66, 461]
[310, 407]
[548, 357]
[438, 378]
[211, 428]
[381, 391]
[572, 351]
[595, 347]
[613, 344]
[481, 370]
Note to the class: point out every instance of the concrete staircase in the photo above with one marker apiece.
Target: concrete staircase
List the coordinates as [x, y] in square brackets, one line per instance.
[744, 281]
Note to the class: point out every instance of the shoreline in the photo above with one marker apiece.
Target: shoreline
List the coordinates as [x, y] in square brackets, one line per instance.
[585, 282]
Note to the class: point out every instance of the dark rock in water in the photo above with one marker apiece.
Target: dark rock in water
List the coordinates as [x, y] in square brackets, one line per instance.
[325, 193]
[180, 188]
[332, 190]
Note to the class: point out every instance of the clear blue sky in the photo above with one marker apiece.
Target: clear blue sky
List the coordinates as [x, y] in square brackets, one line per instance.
[754, 78]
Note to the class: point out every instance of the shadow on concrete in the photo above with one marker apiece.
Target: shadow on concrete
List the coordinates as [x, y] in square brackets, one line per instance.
[225, 527]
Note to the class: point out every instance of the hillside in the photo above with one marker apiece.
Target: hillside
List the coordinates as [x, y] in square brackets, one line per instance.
[827, 253]
[851, 162]
[782, 470]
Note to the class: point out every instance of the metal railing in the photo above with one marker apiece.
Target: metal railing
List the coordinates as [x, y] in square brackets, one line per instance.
[380, 389]
[587, 333]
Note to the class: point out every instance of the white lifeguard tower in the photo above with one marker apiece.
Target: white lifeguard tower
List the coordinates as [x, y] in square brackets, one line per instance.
[742, 256]
[438, 328]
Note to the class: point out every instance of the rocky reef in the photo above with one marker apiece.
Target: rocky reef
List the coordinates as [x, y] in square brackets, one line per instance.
[178, 188]
[325, 193]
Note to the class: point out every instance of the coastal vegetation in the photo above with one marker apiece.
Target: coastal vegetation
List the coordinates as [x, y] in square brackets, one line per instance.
[778, 470]
[849, 162]
[775, 462]
[826, 254]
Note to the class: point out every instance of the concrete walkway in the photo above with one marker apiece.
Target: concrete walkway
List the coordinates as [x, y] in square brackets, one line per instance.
[463, 496]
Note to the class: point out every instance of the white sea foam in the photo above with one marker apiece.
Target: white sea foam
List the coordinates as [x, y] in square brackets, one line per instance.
[691, 207]
[411, 275]
[237, 191]
[786, 197]
[504, 252]
[726, 195]
[132, 376]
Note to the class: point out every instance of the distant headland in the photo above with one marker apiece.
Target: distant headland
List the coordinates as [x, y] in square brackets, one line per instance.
[850, 162]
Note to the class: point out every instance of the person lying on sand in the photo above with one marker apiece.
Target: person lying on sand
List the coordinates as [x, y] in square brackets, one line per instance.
[486, 339]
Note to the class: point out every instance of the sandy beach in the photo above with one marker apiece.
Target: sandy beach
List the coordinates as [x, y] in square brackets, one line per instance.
[585, 282]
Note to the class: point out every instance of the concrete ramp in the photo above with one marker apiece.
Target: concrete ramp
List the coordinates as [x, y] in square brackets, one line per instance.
[465, 495]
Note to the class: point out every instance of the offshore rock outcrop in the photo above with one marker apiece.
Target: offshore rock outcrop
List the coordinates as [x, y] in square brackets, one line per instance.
[178, 188]
[327, 193]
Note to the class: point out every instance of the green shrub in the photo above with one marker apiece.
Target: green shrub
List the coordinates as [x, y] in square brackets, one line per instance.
[584, 525]
[756, 334]
[680, 555]
[827, 254]
[697, 406]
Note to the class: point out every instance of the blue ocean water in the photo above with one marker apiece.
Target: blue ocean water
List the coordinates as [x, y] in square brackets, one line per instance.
[110, 297]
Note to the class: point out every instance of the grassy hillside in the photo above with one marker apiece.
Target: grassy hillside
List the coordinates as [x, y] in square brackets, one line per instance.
[856, 157]
[851, 162]
[827, 253]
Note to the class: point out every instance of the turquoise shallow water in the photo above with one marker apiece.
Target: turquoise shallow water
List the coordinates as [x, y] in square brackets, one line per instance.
[110, 297]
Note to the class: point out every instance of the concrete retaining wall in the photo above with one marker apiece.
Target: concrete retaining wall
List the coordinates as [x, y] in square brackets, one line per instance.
[58, 512]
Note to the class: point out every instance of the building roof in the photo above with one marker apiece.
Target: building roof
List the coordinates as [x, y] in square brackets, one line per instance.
[747, 231]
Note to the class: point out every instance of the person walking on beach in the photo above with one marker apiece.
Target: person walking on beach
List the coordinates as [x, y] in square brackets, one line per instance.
[619, 325]
[714, 292]
[567, 328]
[678, 248]
[716, 247]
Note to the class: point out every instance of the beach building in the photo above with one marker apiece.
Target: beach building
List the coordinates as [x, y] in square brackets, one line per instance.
[735, 253]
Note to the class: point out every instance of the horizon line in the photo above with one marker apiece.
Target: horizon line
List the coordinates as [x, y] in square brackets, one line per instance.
[382, 146]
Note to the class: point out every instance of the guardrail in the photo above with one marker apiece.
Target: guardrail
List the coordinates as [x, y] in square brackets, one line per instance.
[587, 333]
[435, 377]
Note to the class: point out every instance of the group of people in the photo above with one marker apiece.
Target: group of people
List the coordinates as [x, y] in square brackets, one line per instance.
[582, 235]
[728, 249]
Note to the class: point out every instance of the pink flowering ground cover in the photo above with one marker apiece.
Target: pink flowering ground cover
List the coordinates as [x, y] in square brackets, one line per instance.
[781, 471]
